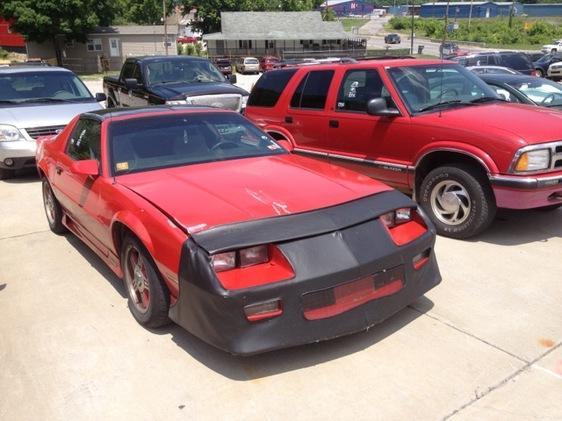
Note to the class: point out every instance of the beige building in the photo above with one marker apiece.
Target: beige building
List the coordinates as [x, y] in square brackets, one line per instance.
[108, 47]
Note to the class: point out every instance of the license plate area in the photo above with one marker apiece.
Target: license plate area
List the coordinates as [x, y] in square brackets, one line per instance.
[335, 300]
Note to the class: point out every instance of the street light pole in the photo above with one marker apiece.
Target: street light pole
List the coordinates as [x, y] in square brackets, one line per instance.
[412, 30]
[165, 25]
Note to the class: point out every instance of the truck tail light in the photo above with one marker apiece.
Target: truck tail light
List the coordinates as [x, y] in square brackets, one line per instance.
[263, 310]
[404, 225]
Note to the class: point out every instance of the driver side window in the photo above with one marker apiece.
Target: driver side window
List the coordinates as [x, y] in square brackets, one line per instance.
[359, 87]
[84, 142]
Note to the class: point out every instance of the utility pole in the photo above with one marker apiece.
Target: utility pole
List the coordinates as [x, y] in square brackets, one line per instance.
[412, 31]
[165, 25]
[470, 14]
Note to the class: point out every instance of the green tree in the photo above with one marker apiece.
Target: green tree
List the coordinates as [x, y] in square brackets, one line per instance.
[43, 20]
[328, 14]
[142, 12]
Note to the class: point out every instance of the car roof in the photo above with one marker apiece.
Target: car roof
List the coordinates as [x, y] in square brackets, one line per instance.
[380, 62]
[507, 78]
[109, 113]
[31, 69]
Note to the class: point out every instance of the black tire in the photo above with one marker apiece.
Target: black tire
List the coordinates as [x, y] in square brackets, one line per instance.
[155, 313]
[467, 186]
[539, 72]
[5, 173]
[53, 209]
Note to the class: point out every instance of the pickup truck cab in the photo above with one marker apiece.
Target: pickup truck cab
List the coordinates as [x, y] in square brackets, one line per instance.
[173, 80]
[427, 127]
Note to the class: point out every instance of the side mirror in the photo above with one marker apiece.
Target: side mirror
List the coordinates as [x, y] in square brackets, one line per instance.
[88, 167]
[377, 106]
[232, 79]
[131, 83]
[100, 96]
[288, 146]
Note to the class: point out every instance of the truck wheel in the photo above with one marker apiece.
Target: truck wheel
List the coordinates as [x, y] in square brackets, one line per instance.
[539, 72]
[53, 209]
[5, 174]
[148, 298]
[458, 199]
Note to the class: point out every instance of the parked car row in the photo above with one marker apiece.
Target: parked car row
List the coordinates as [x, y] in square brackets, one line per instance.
[246, 65]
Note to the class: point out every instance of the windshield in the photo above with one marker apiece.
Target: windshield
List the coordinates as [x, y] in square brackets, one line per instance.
[182, 71]
[540, 91]
[150, 143]
[29, 87]
[251, 61]
[425, 87]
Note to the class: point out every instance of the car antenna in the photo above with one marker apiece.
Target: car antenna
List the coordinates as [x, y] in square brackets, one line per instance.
[441, 52]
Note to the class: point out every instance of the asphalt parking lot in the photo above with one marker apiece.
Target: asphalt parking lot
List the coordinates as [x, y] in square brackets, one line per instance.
[485, 344]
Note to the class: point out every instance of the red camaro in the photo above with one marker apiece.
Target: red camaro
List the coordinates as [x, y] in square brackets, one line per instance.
[214, 225]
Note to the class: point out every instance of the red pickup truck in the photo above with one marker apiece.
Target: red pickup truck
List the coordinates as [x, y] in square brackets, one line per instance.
[426, 127]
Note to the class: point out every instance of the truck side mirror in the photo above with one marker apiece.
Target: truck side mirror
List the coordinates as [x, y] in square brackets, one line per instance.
[377, 107]
[131, 83]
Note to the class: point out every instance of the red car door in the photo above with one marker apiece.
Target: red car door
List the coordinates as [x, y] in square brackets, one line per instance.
[367, 143]
[305, 117]
[79, 194]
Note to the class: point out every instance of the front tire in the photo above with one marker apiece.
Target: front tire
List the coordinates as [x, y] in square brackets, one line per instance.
[53, 209]
[148, 298]
[459, 200]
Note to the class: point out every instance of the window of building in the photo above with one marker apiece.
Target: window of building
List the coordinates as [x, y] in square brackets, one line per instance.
[94, 45]
[244, 44]
[313, 90]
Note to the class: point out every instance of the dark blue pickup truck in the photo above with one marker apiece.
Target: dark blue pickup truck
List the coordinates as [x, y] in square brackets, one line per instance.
[173, 80]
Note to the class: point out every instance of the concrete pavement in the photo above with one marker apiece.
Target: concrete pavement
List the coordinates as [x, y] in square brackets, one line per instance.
[485, 344]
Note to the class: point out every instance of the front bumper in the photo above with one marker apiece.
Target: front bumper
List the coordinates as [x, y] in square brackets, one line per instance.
[518, 192]
[21, 152]
[320, 261]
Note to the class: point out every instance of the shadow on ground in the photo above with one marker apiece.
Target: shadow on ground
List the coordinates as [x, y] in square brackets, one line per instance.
[515, 227]
[255, 367]
[25, 176]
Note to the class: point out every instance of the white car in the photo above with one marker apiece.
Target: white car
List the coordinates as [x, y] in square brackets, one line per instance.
[552, 48]
[555, 71]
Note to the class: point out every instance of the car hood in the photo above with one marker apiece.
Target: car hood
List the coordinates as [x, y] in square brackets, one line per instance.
[25, 116]
[522, 122]
[182, 90]
[201, 196]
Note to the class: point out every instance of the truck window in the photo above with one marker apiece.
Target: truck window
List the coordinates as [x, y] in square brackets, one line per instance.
[269, 87]
[313, 90]
[357, 88]
[84, 143]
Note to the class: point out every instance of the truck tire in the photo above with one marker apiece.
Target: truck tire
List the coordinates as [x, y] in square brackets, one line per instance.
[458, 199]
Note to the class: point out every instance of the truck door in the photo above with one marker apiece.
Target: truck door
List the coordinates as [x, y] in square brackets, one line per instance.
[366, 143]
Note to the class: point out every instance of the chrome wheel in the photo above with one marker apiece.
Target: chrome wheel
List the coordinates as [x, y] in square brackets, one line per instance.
[136, 277]
[49, 203]
[450, 202]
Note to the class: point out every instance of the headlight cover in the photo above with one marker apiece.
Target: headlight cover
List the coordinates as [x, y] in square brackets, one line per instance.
[9, 133]
[535, 160]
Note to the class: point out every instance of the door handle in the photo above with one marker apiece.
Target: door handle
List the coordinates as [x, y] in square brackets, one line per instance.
[288, 119]
[58, 170]
[334, 124]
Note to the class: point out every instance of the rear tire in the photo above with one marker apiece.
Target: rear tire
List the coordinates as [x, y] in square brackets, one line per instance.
[5, 174]
[53, 209]
[458, 199]
[148, 298]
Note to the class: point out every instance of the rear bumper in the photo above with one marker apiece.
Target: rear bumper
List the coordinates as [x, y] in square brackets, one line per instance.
[515, 192]
[320, 262]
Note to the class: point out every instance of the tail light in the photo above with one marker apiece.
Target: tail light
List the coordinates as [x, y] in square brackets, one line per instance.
[264, 310]
[252, 266]
[404, 225]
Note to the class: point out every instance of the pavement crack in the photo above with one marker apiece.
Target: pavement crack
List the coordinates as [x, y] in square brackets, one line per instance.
[502, 382]
[23, 235]
[470, 334]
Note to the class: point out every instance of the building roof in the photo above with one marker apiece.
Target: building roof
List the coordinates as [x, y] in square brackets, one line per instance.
[134, 30]
[276, 25]
[467, 3]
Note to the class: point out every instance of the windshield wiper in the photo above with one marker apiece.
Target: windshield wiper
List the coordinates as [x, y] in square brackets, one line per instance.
[441, 104]
[486, 99]
[44, 100]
